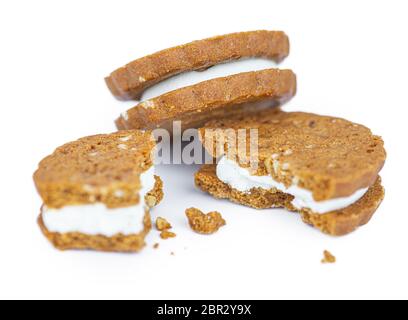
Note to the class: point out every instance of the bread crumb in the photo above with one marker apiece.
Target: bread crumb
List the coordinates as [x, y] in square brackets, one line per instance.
[204, 223]
[151, 201]
[173, 254]
[167, 235]
[285, 166]
[122, 146]
[119, 193]
[147, 104]
[328, 257]
[156, 246]
[125, 139]
[162, 224]
[288, 152]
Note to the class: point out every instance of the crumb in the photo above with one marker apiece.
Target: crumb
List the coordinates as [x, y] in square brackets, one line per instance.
[167, 235]
[173, 254]
[162, 224]
[151, 201]
[328, 258]
[156, 246]
[204, 223]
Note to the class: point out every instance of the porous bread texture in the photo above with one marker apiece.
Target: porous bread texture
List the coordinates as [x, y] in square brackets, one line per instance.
[328, 257]
[165, 235]
[130, 81]
[202, 223]
[329, 156]
[97, 169]
[154, 197]
[80, 241]
[162, 224]
[335, 223]
[194, 105]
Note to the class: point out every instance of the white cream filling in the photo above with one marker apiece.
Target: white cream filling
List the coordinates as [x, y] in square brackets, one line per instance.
[240, 179]
[193, 77]
[97, 219]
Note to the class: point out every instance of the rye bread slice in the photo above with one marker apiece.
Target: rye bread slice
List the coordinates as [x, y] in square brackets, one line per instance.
[195, 105]
[130, 81]
[335, 223]
[96, 169]
[329, 156]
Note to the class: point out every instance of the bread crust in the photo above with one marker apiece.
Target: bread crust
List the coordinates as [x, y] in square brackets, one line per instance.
[130, 81]
[213, 99]
[329, 156]
[336, 223]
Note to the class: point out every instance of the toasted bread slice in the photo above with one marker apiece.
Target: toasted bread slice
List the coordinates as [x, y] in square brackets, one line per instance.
[130, 81]
[195, 105]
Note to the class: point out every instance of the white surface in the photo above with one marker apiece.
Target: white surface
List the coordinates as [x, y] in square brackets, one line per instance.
[241, 179]
[350, 58]
[97, 219]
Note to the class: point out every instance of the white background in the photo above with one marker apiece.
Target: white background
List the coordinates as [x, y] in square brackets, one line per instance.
[351, 61]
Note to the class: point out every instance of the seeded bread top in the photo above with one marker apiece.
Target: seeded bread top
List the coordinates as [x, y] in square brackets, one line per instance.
[102, 168]
[329, 156]
[195, 105]
[130, 81]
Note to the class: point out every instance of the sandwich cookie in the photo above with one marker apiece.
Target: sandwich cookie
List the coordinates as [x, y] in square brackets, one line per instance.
[239, 94]
[97, 192]
[325, 168]
[130, 81]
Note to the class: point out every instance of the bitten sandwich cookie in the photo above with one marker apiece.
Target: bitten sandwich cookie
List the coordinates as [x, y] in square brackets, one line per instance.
[325, 168]
[194, 105]
[130, 81]
[97, 192]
